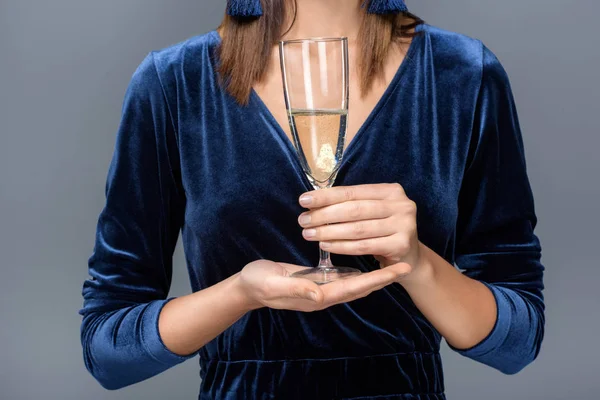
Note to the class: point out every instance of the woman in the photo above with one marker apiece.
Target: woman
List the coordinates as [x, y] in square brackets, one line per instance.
[434, 175]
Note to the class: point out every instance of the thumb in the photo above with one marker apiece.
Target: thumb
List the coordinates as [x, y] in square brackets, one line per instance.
[300, 288]
[305, 290]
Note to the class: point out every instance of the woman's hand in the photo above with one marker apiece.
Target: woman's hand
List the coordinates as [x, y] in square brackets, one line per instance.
[376, 219]
[268, 284]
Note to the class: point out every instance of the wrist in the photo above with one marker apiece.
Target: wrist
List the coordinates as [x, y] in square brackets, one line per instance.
[240, 296]
[423, 273]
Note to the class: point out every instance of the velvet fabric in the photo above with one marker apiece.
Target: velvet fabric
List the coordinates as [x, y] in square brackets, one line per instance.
[189, 159]
[244, 8]
[387, 6]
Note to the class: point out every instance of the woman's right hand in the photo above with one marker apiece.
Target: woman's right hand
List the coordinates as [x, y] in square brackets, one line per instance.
[266, 283]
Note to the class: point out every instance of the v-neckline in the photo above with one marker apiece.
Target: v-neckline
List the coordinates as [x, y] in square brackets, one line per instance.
[360, 133]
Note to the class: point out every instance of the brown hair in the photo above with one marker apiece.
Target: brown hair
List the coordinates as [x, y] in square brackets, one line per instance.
[247, 45]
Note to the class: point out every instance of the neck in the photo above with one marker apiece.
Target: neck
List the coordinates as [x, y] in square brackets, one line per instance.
[325, 18]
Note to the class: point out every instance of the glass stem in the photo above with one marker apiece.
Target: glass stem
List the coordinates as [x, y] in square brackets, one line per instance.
[324, 259]
[324, 256]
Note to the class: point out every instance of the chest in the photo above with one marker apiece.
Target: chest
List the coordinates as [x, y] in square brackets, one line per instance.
[242, 177]
[242, 183]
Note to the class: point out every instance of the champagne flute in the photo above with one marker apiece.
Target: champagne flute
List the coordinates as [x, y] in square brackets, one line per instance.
[316, 89]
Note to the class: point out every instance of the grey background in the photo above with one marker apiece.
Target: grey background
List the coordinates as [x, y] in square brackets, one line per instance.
[64, 67]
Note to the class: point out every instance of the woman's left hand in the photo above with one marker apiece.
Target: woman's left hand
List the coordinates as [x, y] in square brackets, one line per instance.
[373, 219]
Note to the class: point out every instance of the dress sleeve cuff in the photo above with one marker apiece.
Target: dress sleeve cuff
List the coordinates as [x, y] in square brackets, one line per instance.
[151, 337]
[484, 350]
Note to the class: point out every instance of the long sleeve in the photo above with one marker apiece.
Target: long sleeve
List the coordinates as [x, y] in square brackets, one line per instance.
[131, 265]
[496, 243]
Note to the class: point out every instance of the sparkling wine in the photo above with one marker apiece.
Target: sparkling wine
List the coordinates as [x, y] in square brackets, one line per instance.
[320, 134]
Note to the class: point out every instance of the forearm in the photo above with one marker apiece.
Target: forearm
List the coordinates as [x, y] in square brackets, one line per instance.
[187, 323]
[462, 309]
[133, 343]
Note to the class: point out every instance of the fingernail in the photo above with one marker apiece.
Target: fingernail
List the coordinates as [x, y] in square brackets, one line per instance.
[325, 245]
[313, 296]
[310, 233]
[304, 219]
[306, 200]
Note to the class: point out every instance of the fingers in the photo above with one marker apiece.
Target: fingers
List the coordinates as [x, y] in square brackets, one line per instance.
[291, 268]
[352, 230]
[299, 294]
[349, 289]
[348, 211]
[325, 197]
[382, 246]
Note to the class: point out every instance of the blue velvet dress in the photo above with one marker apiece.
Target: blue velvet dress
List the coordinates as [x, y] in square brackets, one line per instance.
[189, 159]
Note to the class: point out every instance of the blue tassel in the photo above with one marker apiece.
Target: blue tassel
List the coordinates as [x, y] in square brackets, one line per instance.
[244, 8]
[387, 6]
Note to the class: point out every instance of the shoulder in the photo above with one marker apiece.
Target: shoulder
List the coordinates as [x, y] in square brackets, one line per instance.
[193, 52]
[462, 54]
[451, 44]
[178, 62]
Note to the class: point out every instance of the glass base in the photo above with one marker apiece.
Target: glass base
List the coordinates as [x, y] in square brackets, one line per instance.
[323, 275]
